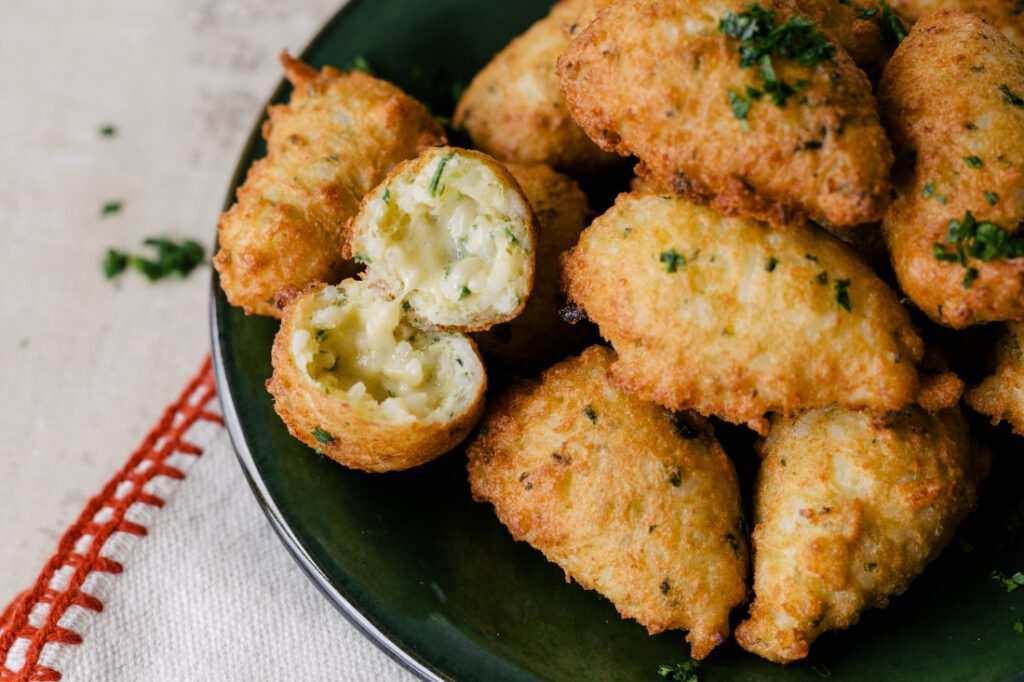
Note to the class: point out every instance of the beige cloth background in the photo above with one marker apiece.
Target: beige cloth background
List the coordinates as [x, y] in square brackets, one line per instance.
[86, 366]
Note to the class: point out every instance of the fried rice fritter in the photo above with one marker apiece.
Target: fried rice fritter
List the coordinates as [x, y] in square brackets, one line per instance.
[627, 501]
[732, 318]
[514, 110]
[953, 99]
[1001, 395]
[778, 140]
[1006, 15]
[336, 138]
[849, 507]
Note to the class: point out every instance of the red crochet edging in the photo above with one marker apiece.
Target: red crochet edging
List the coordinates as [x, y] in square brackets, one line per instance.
[165, 438]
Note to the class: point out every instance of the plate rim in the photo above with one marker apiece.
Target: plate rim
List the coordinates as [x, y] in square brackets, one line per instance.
[395, 650]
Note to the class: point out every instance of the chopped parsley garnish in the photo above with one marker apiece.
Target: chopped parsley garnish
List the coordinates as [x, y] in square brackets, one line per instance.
[359, 63]
[929, 192]
[991, 198]
[406, 306]
[172, 258]
[823, 277]
[1018, 627]
[676, 477]
[322, 436]
[387, 196]
[893, 32]
[1010, 97]
[108, 130]
[842, 287]
[464, 292]
[680, 672]
[866, 12]
[511, 237]
[114, 263]
[111, 207]
[591, 414]
[361, 258]
[760, 40]
[811, 257]
[673, 260]
[1011, 583]
[973, 161]
[459, 361]
[982, 240]
[740, 107]
[772, 263]
[321, 334]
[664, 586]
[437, 173]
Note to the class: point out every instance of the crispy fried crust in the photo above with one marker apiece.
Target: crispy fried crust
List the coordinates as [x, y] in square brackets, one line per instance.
[861, 38]
[944, 100]
[1001, 395]
[645, 511]
[731, 318]
[652, 77]
[1006, 15]
[539, 337]
[285, 230]
[849, 508]
[514, 109]
[359, 442]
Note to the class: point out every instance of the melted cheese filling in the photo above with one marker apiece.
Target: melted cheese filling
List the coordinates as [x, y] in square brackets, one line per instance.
[354, 343]
[453, 240]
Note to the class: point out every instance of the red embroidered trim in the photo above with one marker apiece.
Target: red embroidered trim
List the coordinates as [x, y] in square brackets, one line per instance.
[165, 439]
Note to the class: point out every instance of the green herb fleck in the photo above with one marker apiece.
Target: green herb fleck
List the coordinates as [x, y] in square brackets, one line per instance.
[321, 334]
[982, 240]
[459, 361]
[107, 130]
[1018, 627]
[680, 672]
[591, 414]
[1011, 583]
[991, 198]
[361, 258]
[866, 12]
[114, 263]
[811, 257]
[1010, 97]
[676, 477]
[359, 63]
[973, 161]
[626, 231]
[387, 196]
[929, 192]
[740, 107]
[822, 277]
[111, 207]
[406, 306]
[672, 260]
[464, 292]
[842, 294]
[664, 586]
[322, 436]
[893, 31]
[511, 237]
[437, 172]
[771, 264]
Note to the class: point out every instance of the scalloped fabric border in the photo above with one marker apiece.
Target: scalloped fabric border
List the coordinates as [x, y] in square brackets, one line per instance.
[90, 547]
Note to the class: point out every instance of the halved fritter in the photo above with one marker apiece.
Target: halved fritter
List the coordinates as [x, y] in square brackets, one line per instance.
[719, 107]
[354, 379]
[849, 507]
[732, 318]
[627, 500]
[337, 137]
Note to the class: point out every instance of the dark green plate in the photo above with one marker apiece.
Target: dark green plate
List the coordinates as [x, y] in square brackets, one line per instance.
[438, 583]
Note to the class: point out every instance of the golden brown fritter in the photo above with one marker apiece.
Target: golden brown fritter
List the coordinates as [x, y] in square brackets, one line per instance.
[732, 318]
[332, 143]
[1006, 15]
[357, 382]
[953, 99]
[657, 78]
[626, 501]
[539, 337]
[1001, 395]
[514, 110]
[849, 507]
